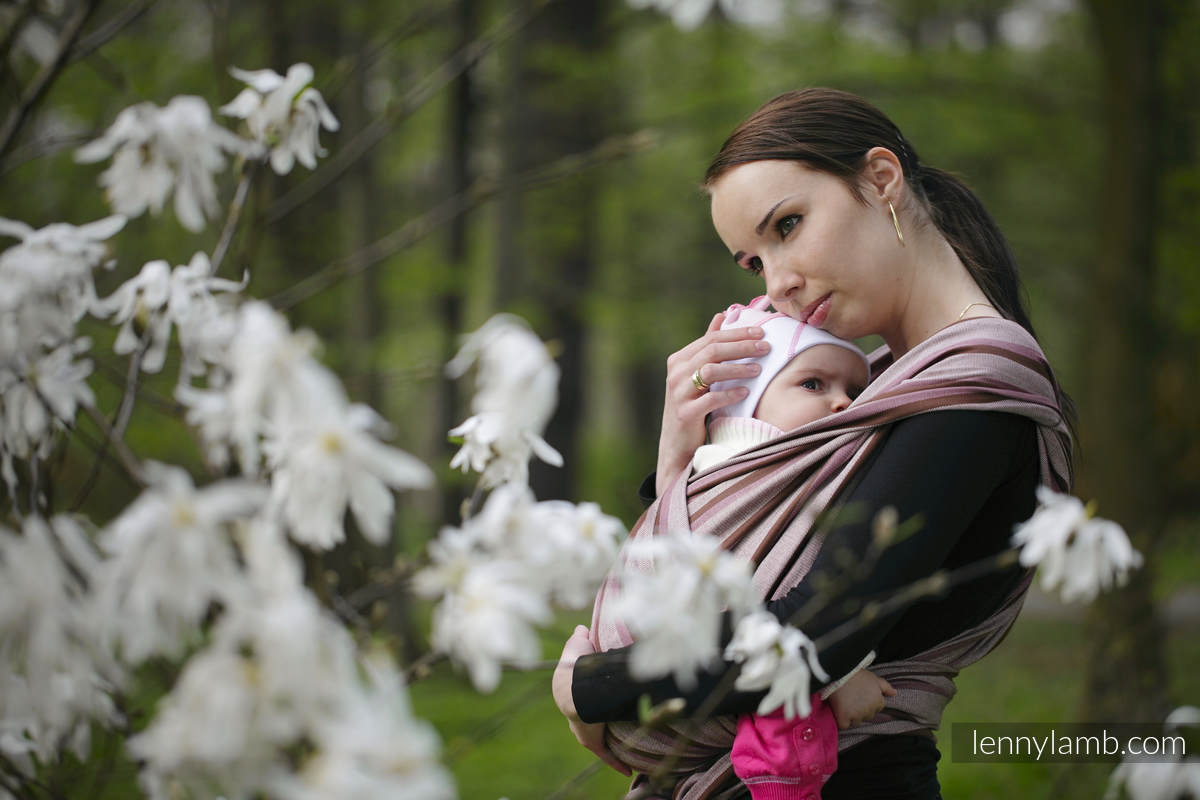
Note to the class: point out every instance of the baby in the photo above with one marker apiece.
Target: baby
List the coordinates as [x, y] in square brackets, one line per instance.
[808, 374]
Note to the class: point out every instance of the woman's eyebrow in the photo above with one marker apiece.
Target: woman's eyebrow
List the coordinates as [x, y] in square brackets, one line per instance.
[767, 219]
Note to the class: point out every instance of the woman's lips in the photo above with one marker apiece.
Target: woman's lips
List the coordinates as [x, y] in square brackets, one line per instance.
[815, 312]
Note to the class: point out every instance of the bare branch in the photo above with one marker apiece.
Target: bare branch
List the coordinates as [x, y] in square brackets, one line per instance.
[124, 454]
[106, 32]
[235, 213]
[372, 134]
[416, 229]
[46, 77]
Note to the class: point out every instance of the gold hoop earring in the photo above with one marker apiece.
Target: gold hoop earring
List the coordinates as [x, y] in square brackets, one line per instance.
[895, 222]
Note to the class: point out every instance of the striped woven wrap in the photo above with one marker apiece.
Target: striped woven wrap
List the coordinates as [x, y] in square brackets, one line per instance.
[762, 504]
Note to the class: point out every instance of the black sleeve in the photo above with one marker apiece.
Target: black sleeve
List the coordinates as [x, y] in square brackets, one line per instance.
[646, 491]
[956, 471]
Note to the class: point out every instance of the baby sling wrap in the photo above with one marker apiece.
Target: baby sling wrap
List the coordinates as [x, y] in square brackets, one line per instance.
[763, 504]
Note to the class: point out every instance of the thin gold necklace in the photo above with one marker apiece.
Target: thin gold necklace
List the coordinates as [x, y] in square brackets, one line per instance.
[963, 313]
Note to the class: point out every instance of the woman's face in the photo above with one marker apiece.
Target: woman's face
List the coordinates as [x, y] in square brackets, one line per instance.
[827, 258]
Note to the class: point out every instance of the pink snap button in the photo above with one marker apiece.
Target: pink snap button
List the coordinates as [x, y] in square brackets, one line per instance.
[807, 734]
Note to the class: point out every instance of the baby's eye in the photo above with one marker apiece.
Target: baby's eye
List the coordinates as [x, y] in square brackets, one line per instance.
[812, 384]
[787, 224]
[753, 265]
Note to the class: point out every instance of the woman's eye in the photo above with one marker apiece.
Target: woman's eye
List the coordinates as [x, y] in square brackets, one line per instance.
[788, 224]
[811, 384]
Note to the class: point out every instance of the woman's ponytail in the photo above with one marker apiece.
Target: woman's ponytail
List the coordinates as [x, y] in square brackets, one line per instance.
[976, 238]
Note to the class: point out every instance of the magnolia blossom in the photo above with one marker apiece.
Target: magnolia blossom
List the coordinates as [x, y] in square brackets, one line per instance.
[1162, 779]
[283, 112]
[323, 464]
[170, 559]
[516, 391]
[268, 374]
[54, 679]
[689, 14]
[1076, 553]
[532, 553]
[778, 657]
[54, 262]
[498, 451]
[156, 150]
[570, 548]
[148, 304]
[489, 619]
[674, 590]
[374, 748]
[39, 398]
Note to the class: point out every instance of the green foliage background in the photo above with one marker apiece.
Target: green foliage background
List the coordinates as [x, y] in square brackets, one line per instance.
[615, 261]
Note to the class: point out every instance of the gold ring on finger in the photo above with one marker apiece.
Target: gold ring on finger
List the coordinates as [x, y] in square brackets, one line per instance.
[698, 382]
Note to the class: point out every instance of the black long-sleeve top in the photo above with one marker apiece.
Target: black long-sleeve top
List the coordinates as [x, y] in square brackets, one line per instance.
[968, 475]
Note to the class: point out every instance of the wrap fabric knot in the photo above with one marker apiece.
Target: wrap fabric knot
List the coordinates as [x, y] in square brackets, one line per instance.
[763, 504]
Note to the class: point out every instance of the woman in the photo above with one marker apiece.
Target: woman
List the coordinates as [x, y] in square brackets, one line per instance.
[820, 194]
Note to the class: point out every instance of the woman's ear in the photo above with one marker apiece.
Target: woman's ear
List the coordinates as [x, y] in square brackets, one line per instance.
[883, 172]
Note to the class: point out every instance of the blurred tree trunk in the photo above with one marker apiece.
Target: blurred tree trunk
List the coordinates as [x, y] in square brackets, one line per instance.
[548, 239]
[459, 130]
[1127, 674]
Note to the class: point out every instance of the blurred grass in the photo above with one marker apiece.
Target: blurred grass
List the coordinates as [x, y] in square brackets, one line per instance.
[514, 743]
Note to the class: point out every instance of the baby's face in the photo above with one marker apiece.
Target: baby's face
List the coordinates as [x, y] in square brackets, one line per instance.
[821, 380]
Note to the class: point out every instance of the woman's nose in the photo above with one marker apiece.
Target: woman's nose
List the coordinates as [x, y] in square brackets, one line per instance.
[782, 284]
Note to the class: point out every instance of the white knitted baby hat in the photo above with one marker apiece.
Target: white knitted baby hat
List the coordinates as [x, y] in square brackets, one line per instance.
[788, 338]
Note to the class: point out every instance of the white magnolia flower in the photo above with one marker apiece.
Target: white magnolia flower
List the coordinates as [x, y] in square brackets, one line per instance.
[572, 548]
[1076, 553]
[516, 392]
[689, 14]
[674, 590]
[156, 150]
[264, 375]
[323, 464]
[488, 620]
[170, 558]
[42, 398]
[207, 734]
[498, 451]
[778, 657]
[54, 262]
[1162, 778]
[54, 679]
[373, 748]
[284, 112]
[149, 303]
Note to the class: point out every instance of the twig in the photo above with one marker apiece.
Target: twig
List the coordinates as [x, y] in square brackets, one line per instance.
[569, 787]
[420, 668]
[124, 454]
[121, 421]
[373, 133]
[494, 723]
[102, 35]
[235, 213]
[414, 22]
[131, 384]
[43, 147]
[14, 33]
[417, 228]
[43, 80]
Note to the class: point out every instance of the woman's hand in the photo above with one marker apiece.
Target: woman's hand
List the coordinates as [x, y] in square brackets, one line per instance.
[687, 405]
[589, 735]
